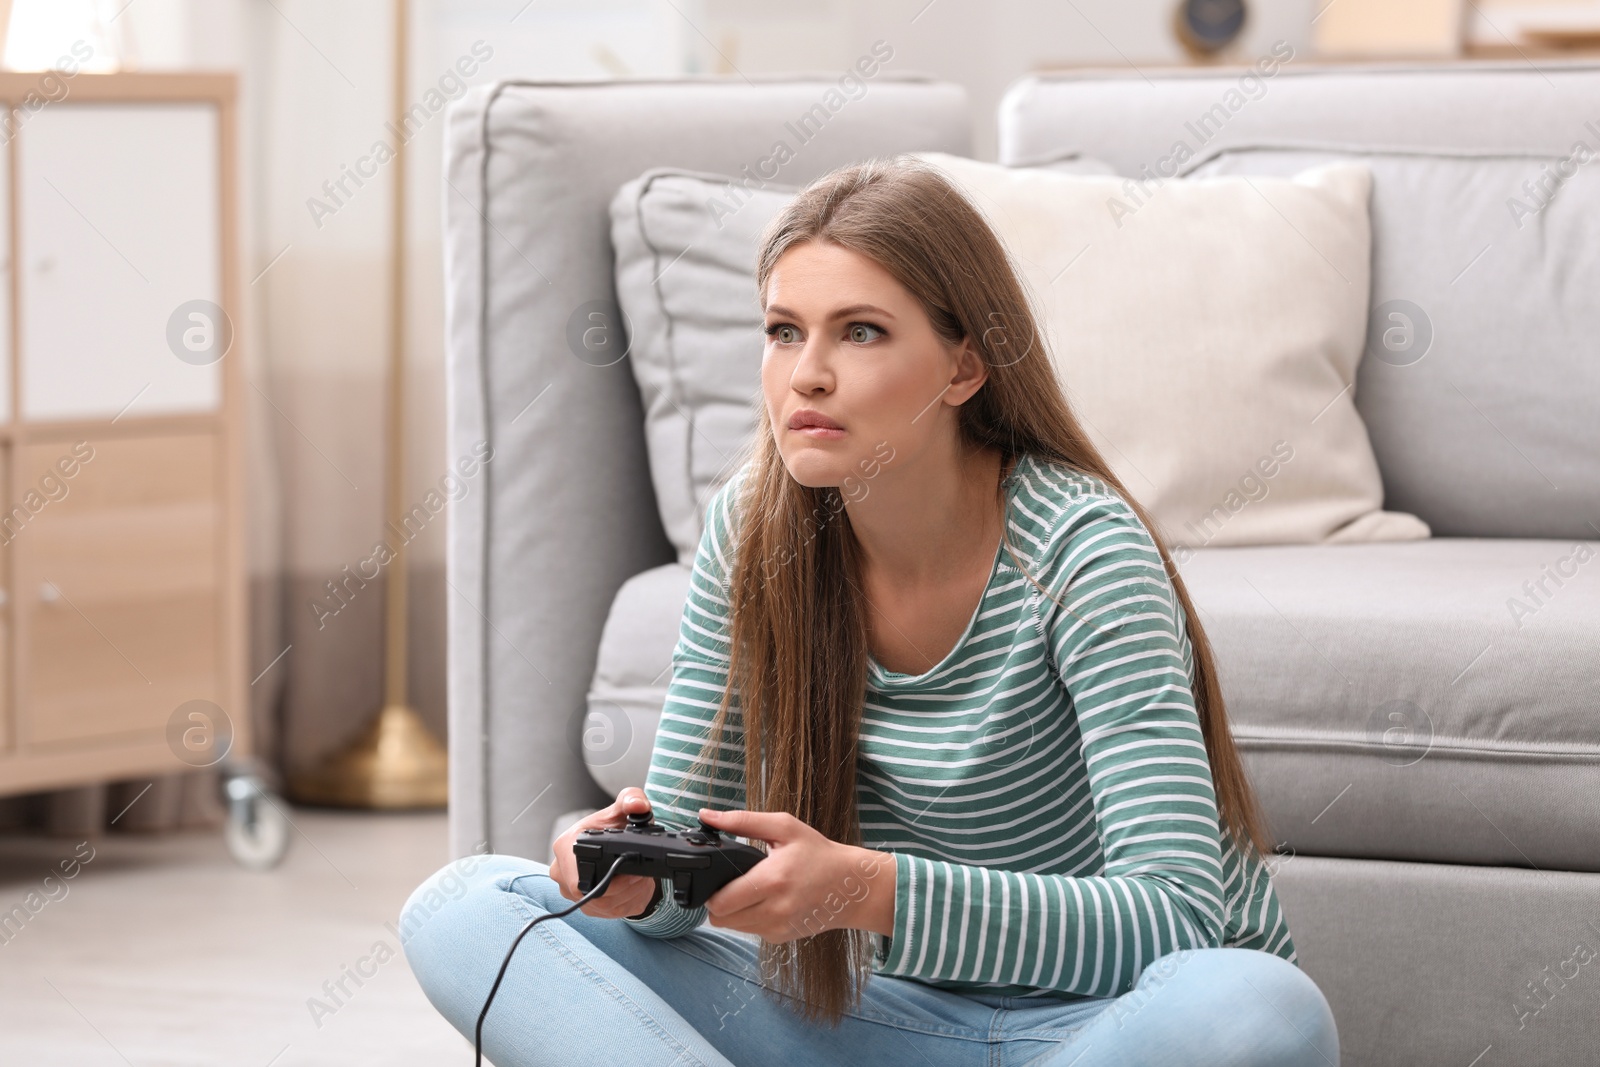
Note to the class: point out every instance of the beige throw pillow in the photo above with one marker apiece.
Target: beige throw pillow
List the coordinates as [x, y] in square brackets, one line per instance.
[1207, 332]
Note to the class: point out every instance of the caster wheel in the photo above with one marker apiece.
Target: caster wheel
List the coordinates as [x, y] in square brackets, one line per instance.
[257, 831]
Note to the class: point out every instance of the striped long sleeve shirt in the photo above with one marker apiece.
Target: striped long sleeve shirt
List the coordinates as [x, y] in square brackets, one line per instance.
[1044, 789]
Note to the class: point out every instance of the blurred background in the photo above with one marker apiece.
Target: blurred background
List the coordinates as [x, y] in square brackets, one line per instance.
[331, 281]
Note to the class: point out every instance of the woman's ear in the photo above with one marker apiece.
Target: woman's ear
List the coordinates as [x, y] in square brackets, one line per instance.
[970, 372]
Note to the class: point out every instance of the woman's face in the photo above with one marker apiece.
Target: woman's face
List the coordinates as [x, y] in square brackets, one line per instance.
[849, 343]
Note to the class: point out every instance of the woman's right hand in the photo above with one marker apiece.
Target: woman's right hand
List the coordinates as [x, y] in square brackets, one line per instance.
[628, 894]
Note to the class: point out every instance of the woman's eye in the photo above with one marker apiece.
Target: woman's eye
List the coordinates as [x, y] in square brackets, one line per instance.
[784, 335]
[861, 332]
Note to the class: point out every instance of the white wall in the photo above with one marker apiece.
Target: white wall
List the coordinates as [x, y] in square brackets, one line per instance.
[982, 45]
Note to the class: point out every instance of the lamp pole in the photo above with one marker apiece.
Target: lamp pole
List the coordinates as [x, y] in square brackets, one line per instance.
[395, 762]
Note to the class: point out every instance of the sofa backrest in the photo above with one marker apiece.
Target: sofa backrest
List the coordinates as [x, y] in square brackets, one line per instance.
[1480, 386]
[567, 512]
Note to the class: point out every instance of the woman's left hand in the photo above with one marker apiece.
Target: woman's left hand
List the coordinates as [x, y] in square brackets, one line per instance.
[807, 883]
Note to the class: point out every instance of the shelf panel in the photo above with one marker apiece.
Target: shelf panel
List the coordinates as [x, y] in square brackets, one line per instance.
[118, 235]
[119, 585]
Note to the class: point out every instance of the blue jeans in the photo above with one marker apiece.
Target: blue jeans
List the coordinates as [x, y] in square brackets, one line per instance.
[583, 990]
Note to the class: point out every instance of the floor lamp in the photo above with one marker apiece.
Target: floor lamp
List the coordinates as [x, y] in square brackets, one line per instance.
[395, 762]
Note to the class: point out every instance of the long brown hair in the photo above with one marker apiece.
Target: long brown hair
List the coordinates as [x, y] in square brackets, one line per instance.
[798, 629]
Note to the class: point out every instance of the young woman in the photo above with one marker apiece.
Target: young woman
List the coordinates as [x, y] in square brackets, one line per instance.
[1004, 816]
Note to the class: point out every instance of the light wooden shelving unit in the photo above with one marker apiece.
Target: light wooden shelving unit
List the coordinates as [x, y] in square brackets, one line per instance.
[121, 509]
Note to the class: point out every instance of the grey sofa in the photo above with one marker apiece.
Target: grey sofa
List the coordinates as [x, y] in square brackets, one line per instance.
[1422, 719]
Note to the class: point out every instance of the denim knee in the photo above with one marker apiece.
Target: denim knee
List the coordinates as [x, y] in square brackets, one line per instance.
[453, 893]
[1296, 1014]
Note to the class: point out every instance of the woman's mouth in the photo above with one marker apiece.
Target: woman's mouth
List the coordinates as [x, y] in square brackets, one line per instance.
[815, 425]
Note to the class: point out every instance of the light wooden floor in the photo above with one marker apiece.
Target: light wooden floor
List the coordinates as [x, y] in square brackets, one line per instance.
[164, 953]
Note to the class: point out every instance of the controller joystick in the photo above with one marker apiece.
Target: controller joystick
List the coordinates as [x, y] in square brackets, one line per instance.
[638, 820]
[698, 863]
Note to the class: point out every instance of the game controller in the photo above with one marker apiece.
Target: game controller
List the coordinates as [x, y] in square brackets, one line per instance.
[698, 862]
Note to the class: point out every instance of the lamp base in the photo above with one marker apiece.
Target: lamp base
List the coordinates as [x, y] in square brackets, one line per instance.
[395, 764]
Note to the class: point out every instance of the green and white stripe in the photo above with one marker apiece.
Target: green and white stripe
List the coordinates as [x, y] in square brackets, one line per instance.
[1044, 789]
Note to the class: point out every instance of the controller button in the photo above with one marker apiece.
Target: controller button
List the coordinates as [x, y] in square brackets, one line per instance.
[613, 829]
[697, 839]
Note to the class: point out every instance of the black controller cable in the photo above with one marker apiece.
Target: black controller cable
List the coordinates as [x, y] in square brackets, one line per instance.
[598, 890]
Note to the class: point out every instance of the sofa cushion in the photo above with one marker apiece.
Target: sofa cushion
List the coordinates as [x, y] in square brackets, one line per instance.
[1207, 333]
[631, 673]
[1480, 388]
[1433, 700]
[686, 261]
